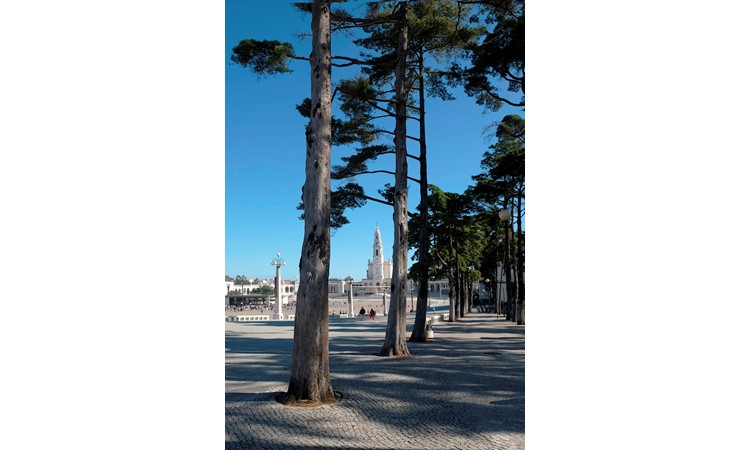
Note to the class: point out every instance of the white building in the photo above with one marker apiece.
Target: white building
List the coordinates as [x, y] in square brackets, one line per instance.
[379, 271]
[378, 268]
[378, 281]
[288, 288]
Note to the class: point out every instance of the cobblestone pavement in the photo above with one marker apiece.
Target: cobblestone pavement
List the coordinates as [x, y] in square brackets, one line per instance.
[462, 390]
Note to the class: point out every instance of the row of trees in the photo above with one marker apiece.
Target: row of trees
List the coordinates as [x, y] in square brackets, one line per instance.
[408, 50]
[474, 233]
[242, 281]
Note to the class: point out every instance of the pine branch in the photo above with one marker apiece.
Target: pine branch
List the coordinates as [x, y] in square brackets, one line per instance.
[364, 172]
[502, 99]
[380, 108]
[383, 202]
[377, 200]
[386, 100]
[352, 61]
[393, 134]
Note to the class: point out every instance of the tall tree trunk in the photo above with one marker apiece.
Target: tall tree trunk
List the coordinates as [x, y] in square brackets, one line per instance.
[451, 284]
[506, 269]
[395, 335]
[456, 282]
[462, 295]
[520, 316]
[508, 289]
[467, 299]
[512, 267]
[498, 295]
[459, 295]
[418, 333]
[310, 379]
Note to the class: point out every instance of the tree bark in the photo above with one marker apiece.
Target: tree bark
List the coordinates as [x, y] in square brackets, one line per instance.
[457, 282]
[451, 284]
[310, 378]
[461, 294]
[418, 333]
[520, 316]
[512, 270]
[506, 271]
[395, 335]
[469, 300]
[467, 292]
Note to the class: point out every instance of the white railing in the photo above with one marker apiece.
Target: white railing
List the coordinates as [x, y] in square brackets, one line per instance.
[253, 318]
[245, 318]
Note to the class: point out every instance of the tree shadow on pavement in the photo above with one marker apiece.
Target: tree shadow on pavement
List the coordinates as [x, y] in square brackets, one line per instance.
[457, 385]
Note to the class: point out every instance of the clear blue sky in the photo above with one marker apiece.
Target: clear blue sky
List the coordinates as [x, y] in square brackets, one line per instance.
[265, 153]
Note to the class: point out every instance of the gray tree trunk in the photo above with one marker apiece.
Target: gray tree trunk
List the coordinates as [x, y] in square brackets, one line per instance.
[514, 274]
[467, 296]
[506, 270]
[451, 285]
[395, 335]
[461, 295]
[310, 379]
[418, 333]
[520, 310]
[467, 290]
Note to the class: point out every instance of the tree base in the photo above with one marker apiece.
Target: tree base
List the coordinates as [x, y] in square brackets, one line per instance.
[287, 399]
[390, 354]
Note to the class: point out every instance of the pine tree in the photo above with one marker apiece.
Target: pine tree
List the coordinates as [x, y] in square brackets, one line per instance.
[309, 379]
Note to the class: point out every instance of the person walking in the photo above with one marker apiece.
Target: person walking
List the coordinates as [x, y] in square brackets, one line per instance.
[372, 314]
[362, 313]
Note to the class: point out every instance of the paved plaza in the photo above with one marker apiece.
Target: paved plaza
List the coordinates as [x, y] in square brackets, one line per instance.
[340, 305]
[462, 390]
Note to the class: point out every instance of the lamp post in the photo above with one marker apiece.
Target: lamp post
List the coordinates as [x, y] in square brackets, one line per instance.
[350, 297]
[278, 261]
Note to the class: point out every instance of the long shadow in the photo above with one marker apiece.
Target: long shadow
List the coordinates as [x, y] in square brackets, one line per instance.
[420, 408]
[257, 345]
[454, 386]
[260, 442]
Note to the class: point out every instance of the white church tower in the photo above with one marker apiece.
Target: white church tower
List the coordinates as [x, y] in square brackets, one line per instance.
[378, 268]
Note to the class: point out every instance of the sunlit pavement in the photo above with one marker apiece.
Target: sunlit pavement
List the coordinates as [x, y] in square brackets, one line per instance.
[340, 305]
[462, 390]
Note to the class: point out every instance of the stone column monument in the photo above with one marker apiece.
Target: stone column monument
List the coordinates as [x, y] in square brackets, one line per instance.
[351, 299]
[278, 262]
